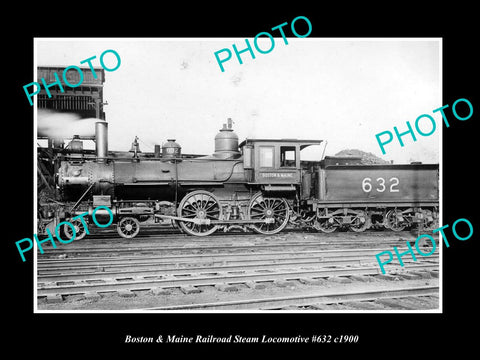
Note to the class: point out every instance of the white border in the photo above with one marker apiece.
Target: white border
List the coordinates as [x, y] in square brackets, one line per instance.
[140, 311]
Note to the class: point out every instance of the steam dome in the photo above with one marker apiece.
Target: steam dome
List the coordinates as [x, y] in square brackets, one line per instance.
[226, 142]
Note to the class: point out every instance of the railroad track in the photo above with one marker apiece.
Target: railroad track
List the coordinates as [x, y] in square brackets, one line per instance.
[59, 263]
[182, 244]
[136, 267]
[74, 284]
[77, 268]
[155, 230]
[402, 298]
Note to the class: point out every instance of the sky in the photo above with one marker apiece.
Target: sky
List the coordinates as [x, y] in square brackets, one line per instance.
[344, 91]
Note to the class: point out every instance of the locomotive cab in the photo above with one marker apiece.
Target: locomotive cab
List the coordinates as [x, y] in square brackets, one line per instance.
[274, 164]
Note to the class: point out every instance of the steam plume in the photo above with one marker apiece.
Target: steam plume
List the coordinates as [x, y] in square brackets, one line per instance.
[63, 125]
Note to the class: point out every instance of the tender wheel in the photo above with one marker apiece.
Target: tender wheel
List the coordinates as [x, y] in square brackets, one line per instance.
[199, 204]
[324, 225]
[128, 227]
[392, 222]
[79, 230]
[274, 209]
[361, 222]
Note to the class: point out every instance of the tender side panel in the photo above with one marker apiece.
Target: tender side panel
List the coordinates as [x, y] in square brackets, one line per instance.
[379, 183]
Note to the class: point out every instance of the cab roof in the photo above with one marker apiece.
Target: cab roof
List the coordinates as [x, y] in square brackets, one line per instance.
[302, 143]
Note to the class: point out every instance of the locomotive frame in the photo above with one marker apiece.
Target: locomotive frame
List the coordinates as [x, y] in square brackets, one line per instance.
[259, 184]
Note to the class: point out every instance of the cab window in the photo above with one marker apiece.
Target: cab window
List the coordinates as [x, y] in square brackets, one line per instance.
[266, 156]
[287, 156]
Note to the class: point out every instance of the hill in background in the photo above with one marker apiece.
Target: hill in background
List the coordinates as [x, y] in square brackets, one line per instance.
[367, 158]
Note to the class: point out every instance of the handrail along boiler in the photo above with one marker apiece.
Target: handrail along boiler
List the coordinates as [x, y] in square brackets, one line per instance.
[259, 184]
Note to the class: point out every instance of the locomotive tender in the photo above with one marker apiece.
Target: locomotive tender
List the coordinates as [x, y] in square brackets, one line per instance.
[259, 184]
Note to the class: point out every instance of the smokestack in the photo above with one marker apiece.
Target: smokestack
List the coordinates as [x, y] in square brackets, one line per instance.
[101, 135]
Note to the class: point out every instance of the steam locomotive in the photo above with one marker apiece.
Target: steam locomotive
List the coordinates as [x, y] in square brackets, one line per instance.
[260, 184]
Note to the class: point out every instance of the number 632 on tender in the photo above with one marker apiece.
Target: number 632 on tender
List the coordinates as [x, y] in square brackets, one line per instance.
[380, 184]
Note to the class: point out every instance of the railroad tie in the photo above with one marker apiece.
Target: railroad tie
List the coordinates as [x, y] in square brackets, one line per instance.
[226, 287]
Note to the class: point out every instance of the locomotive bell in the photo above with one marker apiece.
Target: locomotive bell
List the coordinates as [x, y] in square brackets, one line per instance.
[226, 141]
[171, 149]
[135, 148]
